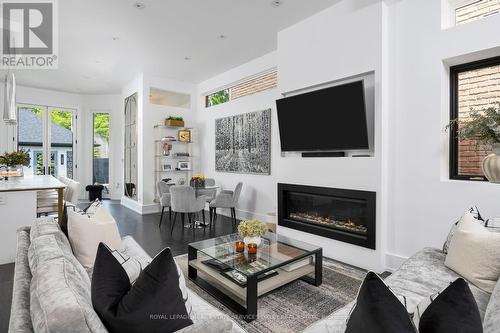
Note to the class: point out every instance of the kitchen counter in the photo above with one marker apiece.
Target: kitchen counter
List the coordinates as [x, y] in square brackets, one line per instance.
[18, 207]
[30, 183]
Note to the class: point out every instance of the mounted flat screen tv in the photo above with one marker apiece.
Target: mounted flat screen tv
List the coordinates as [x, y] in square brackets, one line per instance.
[331, 119]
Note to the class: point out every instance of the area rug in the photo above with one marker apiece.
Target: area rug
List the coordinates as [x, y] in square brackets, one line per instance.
[297, 305]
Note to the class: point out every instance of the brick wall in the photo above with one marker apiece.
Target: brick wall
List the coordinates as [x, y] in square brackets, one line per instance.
[477, 90]
[255, 85]
[476, 10]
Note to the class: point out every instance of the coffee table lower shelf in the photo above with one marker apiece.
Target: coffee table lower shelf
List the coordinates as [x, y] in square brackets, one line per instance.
[243, 300]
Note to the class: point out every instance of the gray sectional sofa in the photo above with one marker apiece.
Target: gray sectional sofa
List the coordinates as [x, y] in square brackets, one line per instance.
[56, 296]
[421, 275]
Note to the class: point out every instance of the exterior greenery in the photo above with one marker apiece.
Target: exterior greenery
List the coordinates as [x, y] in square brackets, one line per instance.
[219, 97]
[483, 126]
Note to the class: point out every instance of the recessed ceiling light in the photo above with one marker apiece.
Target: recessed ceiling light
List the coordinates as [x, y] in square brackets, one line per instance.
[276, 3]
[139, 5]
[222, 36]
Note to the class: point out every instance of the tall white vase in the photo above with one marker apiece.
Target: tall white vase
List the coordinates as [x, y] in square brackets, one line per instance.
[491, 165]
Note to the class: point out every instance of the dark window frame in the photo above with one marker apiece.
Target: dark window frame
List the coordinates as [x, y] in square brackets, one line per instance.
[454, 73]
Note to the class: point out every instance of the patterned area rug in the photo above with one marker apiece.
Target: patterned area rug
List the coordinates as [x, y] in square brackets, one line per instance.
[297, 305]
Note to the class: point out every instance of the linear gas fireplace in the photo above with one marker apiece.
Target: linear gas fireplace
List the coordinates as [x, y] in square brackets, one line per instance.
[344, 215]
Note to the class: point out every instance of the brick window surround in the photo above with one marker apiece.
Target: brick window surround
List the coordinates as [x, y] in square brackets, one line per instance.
[474, 86]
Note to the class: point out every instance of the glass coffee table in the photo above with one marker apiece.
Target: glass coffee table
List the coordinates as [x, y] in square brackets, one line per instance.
[238, 279]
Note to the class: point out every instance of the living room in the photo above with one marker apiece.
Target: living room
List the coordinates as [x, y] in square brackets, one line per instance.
[412, 69]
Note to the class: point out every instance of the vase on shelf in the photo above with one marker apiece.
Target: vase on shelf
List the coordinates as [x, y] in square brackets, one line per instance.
[252, 240]
[491, 165]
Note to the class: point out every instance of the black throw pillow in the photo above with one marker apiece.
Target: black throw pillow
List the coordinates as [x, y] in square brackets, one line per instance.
[64, 221]
[453, 310]
[378, 310]
[153, 304]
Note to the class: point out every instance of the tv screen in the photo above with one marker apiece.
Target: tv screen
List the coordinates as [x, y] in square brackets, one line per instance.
[324, 120]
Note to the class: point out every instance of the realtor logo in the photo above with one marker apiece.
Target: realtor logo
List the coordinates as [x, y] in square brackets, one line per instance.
[29, 34]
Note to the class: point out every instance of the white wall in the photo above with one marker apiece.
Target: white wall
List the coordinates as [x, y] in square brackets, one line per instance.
[424, 201]
[154, 114]
[150, 115]
[344, 40]
[258, 195]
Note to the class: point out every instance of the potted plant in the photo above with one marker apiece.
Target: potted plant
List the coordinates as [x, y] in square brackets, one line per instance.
[197, 181]
[174, 121]
[15, 162]
[252, 231]
[484, 128]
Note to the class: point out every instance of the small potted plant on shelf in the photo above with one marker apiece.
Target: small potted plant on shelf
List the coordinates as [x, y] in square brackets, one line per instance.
[15, 162]
[197, 181]
[483, 127]
[174, 121]
[252, 231]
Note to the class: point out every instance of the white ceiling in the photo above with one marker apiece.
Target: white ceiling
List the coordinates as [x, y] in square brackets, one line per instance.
[156, 40]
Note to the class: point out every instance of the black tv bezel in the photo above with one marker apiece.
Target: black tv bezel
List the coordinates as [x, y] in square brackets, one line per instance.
[334, 149]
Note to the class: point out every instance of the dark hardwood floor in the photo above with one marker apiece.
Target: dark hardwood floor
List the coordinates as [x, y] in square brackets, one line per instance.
[144, 228]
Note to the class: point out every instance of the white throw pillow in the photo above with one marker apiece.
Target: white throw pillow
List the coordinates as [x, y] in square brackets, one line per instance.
[86, 232]
[474, 253]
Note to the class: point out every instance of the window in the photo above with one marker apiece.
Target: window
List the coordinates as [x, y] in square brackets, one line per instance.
[100, 153]
[474, 87]
[48, 134]
[476, 10]
[261, 82]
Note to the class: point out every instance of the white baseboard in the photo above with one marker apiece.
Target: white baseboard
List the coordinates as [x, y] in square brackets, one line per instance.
[139, 208]
[394, 261]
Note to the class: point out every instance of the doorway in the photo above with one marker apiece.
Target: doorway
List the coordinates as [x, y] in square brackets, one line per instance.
[48, 134]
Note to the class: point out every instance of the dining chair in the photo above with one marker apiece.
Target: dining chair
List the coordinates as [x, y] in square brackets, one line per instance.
[184, 201]
[226, 199]
[165, 201]
[210, 193]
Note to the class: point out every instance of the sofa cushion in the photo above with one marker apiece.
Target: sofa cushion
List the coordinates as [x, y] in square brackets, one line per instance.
[153, 304]
[86, 232]
[425, 274]
[378, 310]
[491, 323]
[134, 250]
[60, 300]
[421, 275]
[474, 211]
[454, 310]
[20, 317]
[48, 226]
[474, 253]
[48, 247]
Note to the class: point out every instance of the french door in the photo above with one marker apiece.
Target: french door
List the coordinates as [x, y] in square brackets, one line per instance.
[49, 134]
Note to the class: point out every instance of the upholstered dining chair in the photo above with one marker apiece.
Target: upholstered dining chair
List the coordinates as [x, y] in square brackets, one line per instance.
[164, 193]
[226, 199]
[208, 192]
[184, 201]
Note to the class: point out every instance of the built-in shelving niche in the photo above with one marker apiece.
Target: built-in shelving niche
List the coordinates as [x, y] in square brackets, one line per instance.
[169, 98]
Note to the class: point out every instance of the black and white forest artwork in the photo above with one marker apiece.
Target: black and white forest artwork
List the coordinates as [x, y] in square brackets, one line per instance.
[243, 143]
